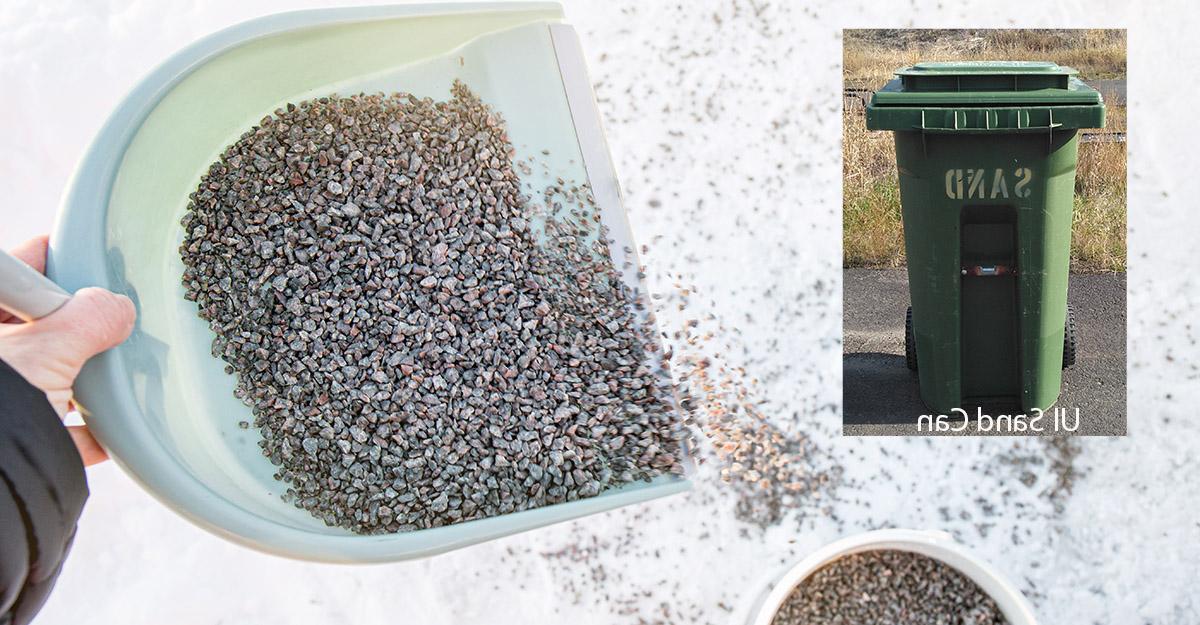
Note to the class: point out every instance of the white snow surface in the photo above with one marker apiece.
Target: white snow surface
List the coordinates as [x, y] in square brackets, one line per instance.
[724, 122]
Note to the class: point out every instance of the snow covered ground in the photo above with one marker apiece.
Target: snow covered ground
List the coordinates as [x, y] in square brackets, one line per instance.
[723, 118]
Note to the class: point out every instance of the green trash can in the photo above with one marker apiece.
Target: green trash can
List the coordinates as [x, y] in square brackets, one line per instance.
[986, 153]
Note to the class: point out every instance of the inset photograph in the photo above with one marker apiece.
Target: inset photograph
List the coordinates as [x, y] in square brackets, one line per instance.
[984, 232]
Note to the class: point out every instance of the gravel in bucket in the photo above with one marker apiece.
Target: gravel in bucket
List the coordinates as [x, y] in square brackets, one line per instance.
[888, 587]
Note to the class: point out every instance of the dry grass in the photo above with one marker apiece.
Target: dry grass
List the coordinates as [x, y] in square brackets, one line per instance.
[872, 227]
[870, 56]
[1098, 231]
[871, 230]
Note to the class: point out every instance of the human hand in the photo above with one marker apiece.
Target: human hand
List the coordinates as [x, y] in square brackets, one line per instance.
[50, 351]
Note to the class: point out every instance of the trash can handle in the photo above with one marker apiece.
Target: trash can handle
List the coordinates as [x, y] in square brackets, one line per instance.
[960, 118]
[960, 126]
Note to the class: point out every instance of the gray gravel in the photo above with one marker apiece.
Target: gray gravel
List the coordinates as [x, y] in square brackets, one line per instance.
[880, 394]
[888, 588]
[421, 344]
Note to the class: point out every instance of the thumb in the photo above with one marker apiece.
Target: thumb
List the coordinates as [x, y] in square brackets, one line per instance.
[50, 351]
[90, 322]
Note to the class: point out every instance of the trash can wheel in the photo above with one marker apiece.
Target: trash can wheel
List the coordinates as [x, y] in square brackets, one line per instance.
[1069, 338]
[910, 341]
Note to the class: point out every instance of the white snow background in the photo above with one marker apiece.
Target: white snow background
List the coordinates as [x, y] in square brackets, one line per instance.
[724, 122]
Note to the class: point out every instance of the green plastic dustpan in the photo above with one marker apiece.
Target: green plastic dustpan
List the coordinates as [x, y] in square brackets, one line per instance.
[161, 403]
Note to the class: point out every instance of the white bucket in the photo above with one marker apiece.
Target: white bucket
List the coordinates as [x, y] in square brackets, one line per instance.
[769, 595]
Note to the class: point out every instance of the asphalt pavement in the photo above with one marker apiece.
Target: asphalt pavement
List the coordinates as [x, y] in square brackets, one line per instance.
[880, 395]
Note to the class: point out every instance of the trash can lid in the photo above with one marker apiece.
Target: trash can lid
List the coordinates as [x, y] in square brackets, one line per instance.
[993, 83]
[985, 97]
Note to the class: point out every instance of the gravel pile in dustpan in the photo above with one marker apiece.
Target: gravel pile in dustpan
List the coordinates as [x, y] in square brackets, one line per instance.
[421, 343]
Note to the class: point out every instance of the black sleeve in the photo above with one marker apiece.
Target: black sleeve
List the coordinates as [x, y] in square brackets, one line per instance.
[42, 490]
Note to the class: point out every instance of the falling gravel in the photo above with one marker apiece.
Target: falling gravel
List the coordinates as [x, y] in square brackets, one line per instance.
[888, 587]
[421, 343]
[767, 460]
[773, 472]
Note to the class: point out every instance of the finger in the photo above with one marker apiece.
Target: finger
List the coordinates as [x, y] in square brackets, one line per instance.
[32, 253]
[89, 449]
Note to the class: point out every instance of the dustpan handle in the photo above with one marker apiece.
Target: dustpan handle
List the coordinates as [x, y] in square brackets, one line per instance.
[27, 293]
